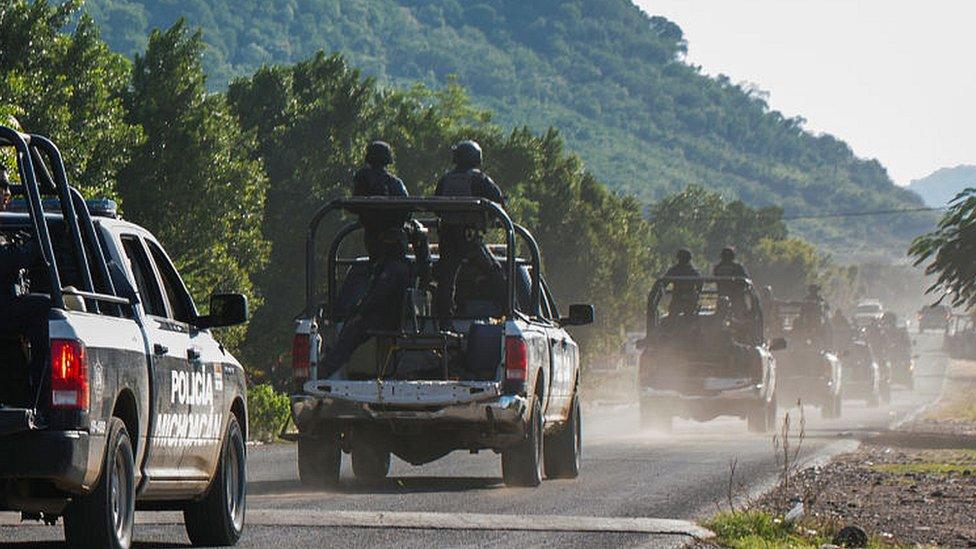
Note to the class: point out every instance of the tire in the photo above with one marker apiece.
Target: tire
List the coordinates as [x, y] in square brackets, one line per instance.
[104, 518]
[655, 418]
[564, 447]
[218, 519]
[319, 459]
[886, 392]
[522, 463]
[370, 462]
[763, 418]
[827, 410]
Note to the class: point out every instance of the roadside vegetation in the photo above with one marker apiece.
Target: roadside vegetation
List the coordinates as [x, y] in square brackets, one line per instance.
[229, 180]
[758, 529]
[611, 77]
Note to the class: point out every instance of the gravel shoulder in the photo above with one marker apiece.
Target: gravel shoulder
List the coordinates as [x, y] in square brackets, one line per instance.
[914, 485]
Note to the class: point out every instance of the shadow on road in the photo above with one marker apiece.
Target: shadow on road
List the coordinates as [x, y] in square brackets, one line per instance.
[392, 485]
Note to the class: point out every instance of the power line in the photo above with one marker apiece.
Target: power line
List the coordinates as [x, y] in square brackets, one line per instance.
[864, 214]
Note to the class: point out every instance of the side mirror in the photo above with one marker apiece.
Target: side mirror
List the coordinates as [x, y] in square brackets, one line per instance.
[579, 315]
[777, 344]
[225, 310]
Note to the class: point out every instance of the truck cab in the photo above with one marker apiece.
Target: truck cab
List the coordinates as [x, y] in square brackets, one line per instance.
[137, 404]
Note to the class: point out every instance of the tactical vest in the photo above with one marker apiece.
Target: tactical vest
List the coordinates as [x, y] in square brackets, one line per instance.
[462, 185]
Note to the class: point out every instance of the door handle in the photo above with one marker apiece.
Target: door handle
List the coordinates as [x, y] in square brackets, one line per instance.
[160, 349]
[193, 354]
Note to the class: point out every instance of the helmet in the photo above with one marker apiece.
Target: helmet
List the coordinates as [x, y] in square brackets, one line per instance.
[683, 255]
[728, 253]
[379, 154]
[467, 154]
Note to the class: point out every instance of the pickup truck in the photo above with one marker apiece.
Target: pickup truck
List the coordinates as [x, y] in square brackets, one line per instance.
[137, 406]
[504, 379]
[809, 371]
[708, 356]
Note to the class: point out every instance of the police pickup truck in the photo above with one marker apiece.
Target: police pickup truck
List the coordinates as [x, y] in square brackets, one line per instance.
[706, 354]
[133, 404]
[503, 377]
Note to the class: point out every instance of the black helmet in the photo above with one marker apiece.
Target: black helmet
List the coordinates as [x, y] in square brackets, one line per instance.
[683, 256]
[728, 253]
[467, 154]
[379, 154]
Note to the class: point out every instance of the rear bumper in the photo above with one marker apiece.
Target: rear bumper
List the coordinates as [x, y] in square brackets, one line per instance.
[505, 414]
[702, 407]
[57, 456]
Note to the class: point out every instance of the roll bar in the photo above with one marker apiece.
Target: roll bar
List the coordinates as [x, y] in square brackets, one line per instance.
[35, 179]
[657, 292]
[434, 205]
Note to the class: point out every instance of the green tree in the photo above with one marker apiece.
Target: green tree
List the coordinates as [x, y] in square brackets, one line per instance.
[192, 181]
[950, 250]
[67, 87]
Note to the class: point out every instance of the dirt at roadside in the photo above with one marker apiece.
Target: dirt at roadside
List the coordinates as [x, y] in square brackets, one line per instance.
[916, 485]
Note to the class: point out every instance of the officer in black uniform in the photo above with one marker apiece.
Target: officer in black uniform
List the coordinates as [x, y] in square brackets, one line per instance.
[684, 293]
[386, 235]
[462, 235]
[729, 267]
[20, 313]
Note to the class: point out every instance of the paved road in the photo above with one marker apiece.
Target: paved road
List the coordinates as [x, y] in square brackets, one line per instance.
[627, 474]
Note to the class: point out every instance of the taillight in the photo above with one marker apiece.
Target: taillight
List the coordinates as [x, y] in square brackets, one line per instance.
[300, 352]
[516, 359]
[69, 375]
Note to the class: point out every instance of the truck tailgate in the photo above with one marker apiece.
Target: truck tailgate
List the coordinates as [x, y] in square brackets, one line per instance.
[406, 393]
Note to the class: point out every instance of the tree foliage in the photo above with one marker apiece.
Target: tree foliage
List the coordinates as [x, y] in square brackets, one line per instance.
[608, 75]
[68, 87]
[950, 250]
[228, 181]
[192, 181]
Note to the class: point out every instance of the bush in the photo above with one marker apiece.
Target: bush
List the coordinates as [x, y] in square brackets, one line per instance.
[268, 412]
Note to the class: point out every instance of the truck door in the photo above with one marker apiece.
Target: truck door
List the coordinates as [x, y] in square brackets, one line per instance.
[562, 365]
[167, 349]
[205, 373]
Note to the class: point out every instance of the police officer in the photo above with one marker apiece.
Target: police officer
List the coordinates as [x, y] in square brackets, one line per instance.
[386, 235]
[684, 293]
[729, 267]
[21, 314]
[462, 235]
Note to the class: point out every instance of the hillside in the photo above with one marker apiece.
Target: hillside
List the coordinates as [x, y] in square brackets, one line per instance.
[938, 188]
[610, 77]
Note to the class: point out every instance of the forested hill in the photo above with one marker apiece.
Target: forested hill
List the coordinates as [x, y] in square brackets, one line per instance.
[608, 76]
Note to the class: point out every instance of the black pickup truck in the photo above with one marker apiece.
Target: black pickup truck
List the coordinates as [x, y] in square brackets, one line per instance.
[137, 406]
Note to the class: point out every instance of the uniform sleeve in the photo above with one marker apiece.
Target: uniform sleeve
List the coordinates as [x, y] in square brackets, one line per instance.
[14, 258]
[743, 272]
[397, 188]
[491, 191]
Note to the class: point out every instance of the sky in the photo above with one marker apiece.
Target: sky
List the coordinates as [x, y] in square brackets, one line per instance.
[895, 79]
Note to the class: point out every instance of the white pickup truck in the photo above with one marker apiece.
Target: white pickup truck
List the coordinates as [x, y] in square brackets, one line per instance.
[136, 405]
[502, 379]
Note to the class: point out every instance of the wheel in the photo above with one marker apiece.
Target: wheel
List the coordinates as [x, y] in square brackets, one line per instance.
[763, 417]
[319, 459]
[886, 392]
[827, 409]
[655, 418]
[218, 519]
[105, 516]
[564, 447]
[522, 463]
[370, 462]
